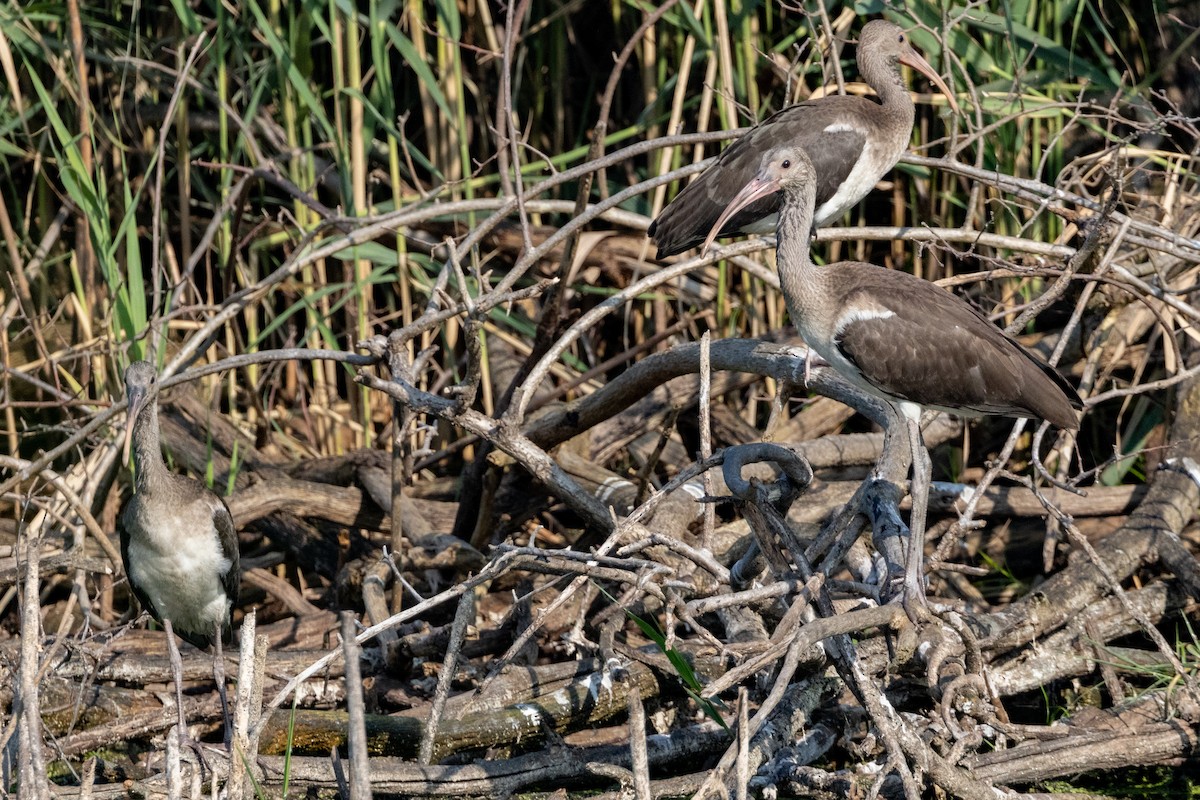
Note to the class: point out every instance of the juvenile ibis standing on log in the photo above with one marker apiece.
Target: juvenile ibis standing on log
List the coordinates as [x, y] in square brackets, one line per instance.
[178, 541]
[851, 142]
[898, 337]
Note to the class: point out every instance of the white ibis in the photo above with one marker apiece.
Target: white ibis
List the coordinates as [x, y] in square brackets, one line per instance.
[898, 337]
[178, 541]
[851, 141]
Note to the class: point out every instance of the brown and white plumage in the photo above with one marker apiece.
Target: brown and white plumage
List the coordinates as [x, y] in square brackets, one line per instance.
[908, 341]
[851, 142]
[923, 345]
[178, 539]
[897, 336]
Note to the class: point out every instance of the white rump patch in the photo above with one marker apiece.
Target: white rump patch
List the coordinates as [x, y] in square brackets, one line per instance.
[841, 127]
[860, 315]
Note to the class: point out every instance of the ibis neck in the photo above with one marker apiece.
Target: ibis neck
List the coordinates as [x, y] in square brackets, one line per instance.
[884, 77]
[797, 273]
[147, 449]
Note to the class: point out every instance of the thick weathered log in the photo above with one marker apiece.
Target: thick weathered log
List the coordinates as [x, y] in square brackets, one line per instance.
[495, 778]
[1142, 735]
[1073, 650]
[558, 704]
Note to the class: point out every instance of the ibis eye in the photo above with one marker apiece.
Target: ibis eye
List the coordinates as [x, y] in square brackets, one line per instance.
[787, 164]
[900, 38]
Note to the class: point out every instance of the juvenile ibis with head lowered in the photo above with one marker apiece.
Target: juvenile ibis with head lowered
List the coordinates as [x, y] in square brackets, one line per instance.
[851, 142]
[178, 540]
[898, 337]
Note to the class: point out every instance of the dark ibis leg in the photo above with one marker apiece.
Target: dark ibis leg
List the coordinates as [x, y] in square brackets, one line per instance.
[185, 738]
[219, 677]
[177, 675]
[914, 570]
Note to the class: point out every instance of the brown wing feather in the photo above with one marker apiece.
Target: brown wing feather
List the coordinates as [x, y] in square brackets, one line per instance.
[232, 579]
[970, 364]
[688, 218]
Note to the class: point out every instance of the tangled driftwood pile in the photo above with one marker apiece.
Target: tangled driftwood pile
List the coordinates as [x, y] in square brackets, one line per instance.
[547, 657]
[545, 573]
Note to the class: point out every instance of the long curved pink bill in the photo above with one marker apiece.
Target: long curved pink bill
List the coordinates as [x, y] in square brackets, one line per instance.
[759, 186]
[914, 59]
[135, 398]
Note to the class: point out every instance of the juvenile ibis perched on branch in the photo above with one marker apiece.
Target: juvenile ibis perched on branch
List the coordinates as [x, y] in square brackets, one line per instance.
[178, 540]
[898, 337]
[851, 141]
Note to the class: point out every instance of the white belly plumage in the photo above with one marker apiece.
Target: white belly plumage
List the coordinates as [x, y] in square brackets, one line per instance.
[858, 183]
[190, 567]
